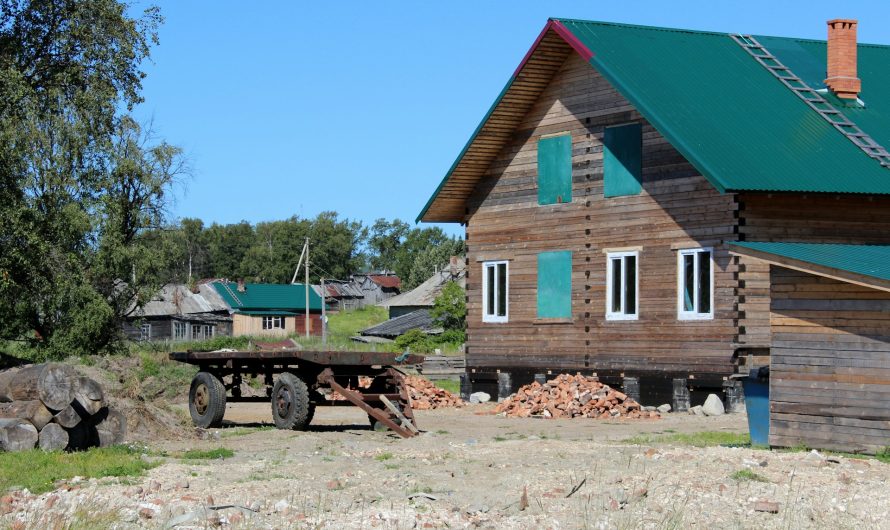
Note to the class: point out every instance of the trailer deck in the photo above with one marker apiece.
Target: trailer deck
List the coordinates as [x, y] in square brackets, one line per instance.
[298, 381]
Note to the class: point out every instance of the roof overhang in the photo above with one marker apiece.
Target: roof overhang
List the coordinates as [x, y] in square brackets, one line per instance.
[856, 264]
[531, 77]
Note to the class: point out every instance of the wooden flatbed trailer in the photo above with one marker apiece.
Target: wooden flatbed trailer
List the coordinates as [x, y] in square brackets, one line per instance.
[297, 381]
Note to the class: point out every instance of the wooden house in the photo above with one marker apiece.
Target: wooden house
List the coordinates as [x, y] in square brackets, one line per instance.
[424, 295]
[270, 309]
[377, 287]
[603, 191]
[178, 313]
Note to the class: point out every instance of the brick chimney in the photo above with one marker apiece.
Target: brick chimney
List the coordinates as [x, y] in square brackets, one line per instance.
[842, 78]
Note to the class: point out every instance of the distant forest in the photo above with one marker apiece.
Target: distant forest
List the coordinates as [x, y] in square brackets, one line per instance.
[269, 251]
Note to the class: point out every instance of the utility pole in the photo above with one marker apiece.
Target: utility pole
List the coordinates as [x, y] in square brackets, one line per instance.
[306, 287]
[324, 317]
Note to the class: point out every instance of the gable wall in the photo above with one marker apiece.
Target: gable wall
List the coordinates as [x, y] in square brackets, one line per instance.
[677, 207]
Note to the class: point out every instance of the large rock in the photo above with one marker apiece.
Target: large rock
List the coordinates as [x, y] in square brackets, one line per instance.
[664, 409]
[480, 397]
[713, 406]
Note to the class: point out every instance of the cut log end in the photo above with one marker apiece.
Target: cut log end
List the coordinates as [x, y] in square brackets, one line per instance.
[53, 438]
[17, 435]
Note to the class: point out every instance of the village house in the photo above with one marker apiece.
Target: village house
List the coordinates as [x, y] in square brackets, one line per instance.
[424, 295]
[377, 287]
[179, 313]
[270, 309]
[666, 207]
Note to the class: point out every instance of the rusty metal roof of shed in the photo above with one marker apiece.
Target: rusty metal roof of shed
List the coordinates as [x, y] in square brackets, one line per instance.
[178, 299]
[728, 115]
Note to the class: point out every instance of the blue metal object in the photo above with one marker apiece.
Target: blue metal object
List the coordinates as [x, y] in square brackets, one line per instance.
[757, 404]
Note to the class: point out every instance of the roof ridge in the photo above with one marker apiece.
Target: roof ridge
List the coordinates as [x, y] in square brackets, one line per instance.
[707, 32]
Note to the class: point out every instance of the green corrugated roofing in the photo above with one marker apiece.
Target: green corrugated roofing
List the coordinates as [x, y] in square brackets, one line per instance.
[268, 297]
[730, 117]
[268, 312]
[865, 260]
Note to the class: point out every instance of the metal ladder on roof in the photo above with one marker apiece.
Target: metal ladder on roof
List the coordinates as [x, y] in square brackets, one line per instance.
[231, 292]
[815, 100]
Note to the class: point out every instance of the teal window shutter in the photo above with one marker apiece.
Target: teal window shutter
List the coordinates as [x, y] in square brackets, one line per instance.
[555, 284]
[555, 169]
[622, 160]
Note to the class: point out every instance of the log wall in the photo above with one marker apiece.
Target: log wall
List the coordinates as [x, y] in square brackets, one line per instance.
[830, 365]
[677, 209]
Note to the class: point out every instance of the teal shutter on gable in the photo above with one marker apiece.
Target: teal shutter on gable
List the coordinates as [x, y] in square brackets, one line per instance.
[555, 169]
[555, 284]
[622, 160]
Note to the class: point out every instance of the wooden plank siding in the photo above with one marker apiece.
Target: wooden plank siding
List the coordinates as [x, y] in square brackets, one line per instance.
[253, 325]
[677, 209]
[798, 217]
[830, 365]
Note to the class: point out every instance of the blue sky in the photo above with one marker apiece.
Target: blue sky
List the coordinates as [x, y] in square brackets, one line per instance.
[294, 108]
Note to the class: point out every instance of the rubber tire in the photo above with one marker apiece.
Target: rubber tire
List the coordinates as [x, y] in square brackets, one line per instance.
[300, 410]
[216, 403]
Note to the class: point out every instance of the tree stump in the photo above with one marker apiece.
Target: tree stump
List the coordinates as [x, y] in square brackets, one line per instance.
[34, 411]
[17, 435]
[52, 438]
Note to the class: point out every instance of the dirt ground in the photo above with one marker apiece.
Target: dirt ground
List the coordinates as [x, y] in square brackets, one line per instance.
[470, 470]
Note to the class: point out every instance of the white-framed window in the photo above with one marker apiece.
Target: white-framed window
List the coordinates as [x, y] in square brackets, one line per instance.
[180, 330]
[273, 322]
[208, 330]
[495, 291]
[622, 283]
[145, 332]
[196, 332]
[695, 284]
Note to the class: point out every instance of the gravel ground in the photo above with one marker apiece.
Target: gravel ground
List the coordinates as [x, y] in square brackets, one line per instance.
[469, 470]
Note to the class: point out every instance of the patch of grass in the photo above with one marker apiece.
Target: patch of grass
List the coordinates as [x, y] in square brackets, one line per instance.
[883, 455]
[747, 474]
[500, 439]
[390, 466]
[442, 431]
[38, 471]
[243, 431]
[349, 323]
[448, 384]
[383, 456]
[695, 439]
[210, 454]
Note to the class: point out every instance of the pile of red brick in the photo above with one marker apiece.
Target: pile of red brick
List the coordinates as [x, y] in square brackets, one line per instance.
[569, 396]
[425, 395]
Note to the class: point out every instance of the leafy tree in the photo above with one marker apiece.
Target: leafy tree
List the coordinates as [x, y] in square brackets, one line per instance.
[430, 259]
[450, 307]
[80, 182]
[384, 242]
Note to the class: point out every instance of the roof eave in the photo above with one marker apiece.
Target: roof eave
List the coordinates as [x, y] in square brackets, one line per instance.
[811, 268]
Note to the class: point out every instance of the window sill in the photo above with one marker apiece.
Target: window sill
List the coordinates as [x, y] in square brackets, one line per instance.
[622, 319]
[552, 321]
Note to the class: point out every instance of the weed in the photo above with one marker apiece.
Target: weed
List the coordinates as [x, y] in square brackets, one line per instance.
[383, 456]
[38, 471]
[500, 439]
[441, 431]
[451, 385]
[746, 474]
[696, 439]
[211, 454]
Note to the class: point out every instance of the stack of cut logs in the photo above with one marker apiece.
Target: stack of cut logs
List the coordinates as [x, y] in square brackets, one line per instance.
[425, 395]
[53, 407]
[569, 396]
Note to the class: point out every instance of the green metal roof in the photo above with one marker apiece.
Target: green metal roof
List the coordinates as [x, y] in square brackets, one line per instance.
[268, 297]
[865, 260]
[730, 117]
[269, 312]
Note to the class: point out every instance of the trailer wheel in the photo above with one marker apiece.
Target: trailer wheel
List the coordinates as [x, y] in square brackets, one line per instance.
[291, 408]
[207, 400]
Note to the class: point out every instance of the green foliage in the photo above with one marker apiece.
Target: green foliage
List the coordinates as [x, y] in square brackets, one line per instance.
[413, 254]
[695, 439]
[450, 307]
[38, 470]
[211, 454]
[417, 340]
[883, 454]
[451, 385]
[747, 474]
[349, 323]
[80, 181]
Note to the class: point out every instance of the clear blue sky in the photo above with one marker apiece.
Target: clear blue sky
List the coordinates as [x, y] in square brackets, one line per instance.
[362, 106]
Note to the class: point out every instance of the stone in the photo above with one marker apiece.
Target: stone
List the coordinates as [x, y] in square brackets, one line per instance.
[334, 484]
[280, 506]
[480, 397]
[713, 406]
[764, 505]
[697, 410]
[183, 484]
[664, 409]
[146, 513]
